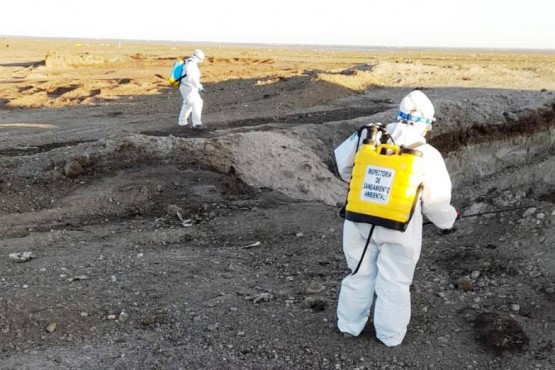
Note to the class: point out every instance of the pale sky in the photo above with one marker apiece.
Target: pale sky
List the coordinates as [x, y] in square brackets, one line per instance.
[504, 24]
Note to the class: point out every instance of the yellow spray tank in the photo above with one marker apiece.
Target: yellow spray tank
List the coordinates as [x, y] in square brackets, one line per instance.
[385, 184]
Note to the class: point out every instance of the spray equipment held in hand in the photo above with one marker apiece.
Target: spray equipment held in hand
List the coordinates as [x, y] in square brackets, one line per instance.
[385, 183]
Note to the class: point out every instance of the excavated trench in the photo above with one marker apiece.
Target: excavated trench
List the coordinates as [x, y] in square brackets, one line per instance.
[528, 124]
[261, 124]
[514, 153]
[16, 152]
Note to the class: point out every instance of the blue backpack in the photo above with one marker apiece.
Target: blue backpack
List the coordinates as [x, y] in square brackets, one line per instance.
[176, 74]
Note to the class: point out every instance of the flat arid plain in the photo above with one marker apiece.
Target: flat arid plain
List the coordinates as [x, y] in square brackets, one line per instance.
[153, 246]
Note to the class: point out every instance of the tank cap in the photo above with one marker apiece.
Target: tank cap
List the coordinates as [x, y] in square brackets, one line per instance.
[411, 152]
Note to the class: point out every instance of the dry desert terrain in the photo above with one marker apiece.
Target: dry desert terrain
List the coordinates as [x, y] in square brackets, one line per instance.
[158, 247]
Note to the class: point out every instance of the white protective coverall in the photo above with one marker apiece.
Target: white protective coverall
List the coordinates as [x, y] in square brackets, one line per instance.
[388, 266]
[189, 88]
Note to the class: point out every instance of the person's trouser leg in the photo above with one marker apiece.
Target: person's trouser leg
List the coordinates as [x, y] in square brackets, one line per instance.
[184, 113]
[197, 110]
[396, 264]
[357, 291]
[186, 106]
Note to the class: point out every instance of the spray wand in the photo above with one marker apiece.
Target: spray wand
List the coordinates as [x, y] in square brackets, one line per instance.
[485, 213]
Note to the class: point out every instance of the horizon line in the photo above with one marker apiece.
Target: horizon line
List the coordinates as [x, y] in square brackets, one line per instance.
[286, 45]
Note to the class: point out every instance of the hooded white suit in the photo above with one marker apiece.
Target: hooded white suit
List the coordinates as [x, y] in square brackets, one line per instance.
[388, 266]
[189, 88]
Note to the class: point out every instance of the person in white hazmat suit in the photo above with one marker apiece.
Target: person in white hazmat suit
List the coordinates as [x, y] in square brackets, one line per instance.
[190, 89]
[390, 260]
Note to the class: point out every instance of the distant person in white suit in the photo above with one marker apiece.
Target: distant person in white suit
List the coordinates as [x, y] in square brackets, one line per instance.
[190, 89]
[388, 265]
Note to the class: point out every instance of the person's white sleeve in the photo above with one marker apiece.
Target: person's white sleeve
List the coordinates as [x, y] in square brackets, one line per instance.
[345, 156]
[436, 195]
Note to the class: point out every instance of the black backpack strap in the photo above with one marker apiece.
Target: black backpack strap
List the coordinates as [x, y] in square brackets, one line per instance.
[185, 75]
[182, 77]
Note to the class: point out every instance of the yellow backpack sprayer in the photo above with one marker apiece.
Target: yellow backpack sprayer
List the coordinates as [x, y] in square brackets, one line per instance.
[386, 182]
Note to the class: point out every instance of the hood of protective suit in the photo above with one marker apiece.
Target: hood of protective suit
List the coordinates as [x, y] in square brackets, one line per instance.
[198, 55]
[194, 59]
[407, 134]
[416, 107]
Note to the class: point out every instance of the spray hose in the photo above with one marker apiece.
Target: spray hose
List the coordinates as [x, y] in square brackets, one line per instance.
[485, 213]
[428, 223]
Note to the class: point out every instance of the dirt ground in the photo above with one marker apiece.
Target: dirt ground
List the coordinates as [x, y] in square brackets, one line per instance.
[158, 247]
